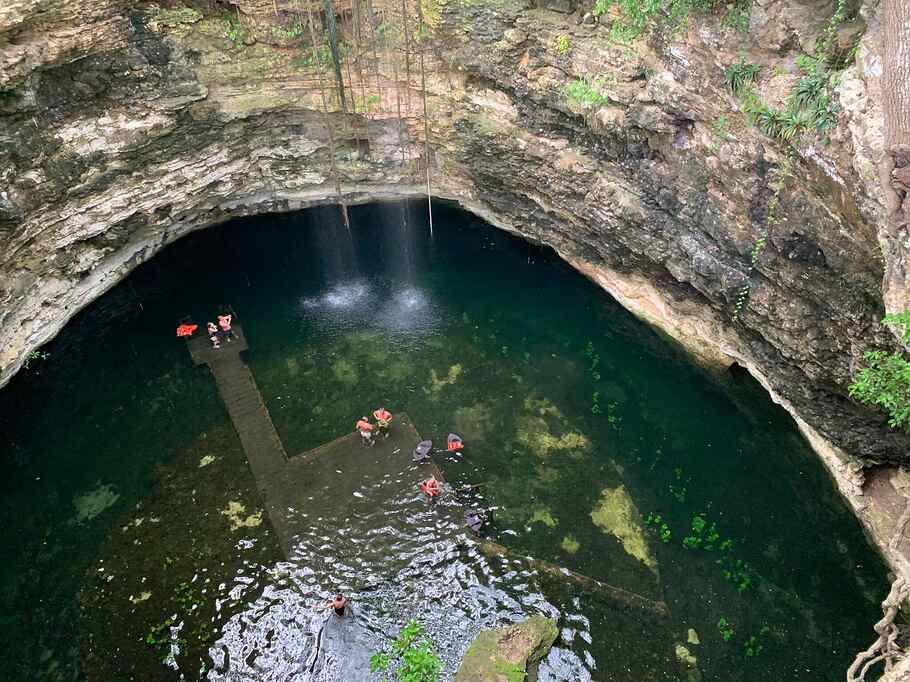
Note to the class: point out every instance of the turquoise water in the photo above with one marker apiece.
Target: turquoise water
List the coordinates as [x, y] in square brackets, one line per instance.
[581, 423]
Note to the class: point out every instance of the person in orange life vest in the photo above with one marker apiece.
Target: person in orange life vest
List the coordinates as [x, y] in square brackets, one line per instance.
[366, 432]
[383, 419]
[430, 487]
[186, 328]
[224, 324]
[213, 335]
[454, 443]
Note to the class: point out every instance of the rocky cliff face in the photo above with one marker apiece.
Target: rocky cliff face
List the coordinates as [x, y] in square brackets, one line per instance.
[124, 126]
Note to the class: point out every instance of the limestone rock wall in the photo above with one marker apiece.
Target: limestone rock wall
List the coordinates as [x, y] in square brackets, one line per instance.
[124, 126]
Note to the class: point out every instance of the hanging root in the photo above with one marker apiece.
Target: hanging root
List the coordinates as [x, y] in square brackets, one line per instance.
[885, 648]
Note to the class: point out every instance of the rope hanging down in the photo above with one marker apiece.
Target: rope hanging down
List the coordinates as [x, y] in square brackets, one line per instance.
[426, 119]
[325, 112]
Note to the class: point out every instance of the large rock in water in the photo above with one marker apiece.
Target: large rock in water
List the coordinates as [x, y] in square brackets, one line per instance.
[504, 654]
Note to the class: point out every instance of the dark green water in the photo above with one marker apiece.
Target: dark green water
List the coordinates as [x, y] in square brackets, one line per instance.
[572, 411]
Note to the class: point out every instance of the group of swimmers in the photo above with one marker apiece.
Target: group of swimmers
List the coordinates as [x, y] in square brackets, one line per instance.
[369, 432]
[216, 333]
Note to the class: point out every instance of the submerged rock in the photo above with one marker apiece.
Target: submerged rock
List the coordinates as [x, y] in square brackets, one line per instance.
[505, 654]
[91, 504]
[617, 515]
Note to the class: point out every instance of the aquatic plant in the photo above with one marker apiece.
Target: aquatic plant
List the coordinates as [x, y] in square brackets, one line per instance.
[412, 658]
[753, 646]
[205, 461]
[613, 417]
[34, 357]
[656, 522]
[679, 488]
[725, 628]
[737, 571]
[616, 514]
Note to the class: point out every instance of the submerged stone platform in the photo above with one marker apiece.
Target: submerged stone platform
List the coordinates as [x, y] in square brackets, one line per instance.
[335, 469]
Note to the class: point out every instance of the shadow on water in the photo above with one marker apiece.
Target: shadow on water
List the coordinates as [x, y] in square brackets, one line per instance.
[131, 522]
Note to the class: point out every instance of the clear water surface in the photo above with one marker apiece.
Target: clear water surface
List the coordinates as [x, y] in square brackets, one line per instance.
[583, 427]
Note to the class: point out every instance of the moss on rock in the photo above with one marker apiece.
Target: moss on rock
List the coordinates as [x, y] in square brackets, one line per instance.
[505, 654]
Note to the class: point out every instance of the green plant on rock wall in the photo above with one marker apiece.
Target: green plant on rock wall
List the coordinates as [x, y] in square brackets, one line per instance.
[585, 92]
[725, 628]
[561, 45]
[885, 381]
[412, 658]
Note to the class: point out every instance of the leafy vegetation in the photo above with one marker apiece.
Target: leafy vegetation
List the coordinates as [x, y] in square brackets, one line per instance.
[885, 383]
[753, 646]
[561, 45]
[658, 525]
[740, 74]
[902, 320]
[581, 91]
[411, 659]
[35, 356]
[725, 628]
[738, 15]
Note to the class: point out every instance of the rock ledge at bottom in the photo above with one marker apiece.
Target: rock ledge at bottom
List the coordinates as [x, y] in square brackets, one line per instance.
[505, 654]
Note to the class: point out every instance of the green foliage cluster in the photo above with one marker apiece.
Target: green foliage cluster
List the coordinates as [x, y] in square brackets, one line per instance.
[582, 91]
[412, 657]
[594, 359]
[897, 319]
[235, 30]
[753, 646]
[771, 219]
[323, 56]
[725, 628]
[736, 571]
[561, 45]
[613, 416]
[34, 357]
[885, 383]
[740, 74]
[658, 525]
[679, 488]
[738, 15]
[703, 535]
[295, 30]
[636, 16]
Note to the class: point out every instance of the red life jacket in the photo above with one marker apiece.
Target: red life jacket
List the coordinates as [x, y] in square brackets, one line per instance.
[382, 415]
[186, 330]
[430, 487]
[455, 446]
[364, 426]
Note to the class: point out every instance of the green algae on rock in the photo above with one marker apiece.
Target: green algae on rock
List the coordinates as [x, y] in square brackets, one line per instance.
[505, 654]
[616, 514]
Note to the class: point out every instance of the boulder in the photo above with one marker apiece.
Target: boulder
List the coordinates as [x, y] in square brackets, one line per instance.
[506, 654]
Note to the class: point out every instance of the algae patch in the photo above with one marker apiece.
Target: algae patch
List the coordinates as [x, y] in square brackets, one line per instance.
[543, 516]
[142, 597]
[570, 544]
[616, 514]
[235, 512]
[437, 384]
[205, 461]
[475, 422]
[91, 504]
[534, 433]
[345, 372]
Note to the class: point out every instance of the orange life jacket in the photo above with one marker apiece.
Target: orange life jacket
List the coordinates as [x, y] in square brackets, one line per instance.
[455, 446]
[364, 426]
[186, 329]
[382, 415]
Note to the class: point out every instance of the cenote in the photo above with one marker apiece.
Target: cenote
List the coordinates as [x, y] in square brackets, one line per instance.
[133, 528]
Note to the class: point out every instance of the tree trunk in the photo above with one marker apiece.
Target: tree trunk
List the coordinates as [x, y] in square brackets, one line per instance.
[333, 46]
[896, 167]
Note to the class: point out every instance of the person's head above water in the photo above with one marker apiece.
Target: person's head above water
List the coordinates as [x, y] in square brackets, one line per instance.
[338, 603]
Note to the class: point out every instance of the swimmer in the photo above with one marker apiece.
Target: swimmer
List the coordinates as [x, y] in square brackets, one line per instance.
[366, 432]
